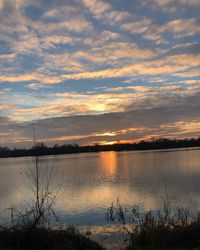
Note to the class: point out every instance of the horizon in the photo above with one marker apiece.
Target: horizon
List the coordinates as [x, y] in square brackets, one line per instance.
[93, 71]
[113, 143]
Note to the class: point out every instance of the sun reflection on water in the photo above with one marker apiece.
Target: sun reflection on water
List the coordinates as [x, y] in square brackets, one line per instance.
[109, 162]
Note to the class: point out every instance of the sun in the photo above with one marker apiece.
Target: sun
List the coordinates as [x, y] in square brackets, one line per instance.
[108, 142]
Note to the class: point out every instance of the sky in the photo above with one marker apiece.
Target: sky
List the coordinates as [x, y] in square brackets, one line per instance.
[93, 71]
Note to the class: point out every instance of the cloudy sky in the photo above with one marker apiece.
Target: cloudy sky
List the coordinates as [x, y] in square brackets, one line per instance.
[86, 71]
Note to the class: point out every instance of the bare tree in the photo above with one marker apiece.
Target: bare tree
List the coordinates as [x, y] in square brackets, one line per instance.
[40, 175]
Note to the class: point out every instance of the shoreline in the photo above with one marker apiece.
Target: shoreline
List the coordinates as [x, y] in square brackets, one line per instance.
[167, 149]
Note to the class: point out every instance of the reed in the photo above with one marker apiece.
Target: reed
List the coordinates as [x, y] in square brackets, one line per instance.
[164, 229]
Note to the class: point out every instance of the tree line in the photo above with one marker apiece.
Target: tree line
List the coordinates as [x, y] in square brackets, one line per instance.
[42, 149]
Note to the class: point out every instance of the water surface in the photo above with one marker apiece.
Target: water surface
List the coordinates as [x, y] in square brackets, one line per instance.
[91, 181]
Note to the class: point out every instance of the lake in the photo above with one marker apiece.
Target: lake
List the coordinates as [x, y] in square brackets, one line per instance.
[92, 181]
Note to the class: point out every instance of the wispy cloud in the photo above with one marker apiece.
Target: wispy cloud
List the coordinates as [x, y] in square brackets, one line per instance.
[97, 7]
[139, 26]
[172, 6]
[179, 64]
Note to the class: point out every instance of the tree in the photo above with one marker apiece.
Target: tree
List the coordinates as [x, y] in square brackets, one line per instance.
[44, 191]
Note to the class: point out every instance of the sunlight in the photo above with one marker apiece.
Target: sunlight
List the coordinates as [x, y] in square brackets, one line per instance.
[99, 107]
[107, 134]
[109, 162]
[108, 142]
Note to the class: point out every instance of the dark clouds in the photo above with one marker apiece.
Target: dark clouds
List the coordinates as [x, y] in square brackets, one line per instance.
[162, 120]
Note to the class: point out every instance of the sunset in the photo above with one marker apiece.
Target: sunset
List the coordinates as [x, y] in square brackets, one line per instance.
[83, 70]
[99, 124]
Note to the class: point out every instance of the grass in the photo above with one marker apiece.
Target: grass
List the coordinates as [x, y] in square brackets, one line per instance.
[45, 239]
[176, 231]
[159, 231]
[149, 231]
[165, 236]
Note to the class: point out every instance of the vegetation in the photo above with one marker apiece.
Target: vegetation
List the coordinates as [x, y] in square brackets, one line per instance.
[45, 239]
[41, 149]
[160, 231]
[43, 189]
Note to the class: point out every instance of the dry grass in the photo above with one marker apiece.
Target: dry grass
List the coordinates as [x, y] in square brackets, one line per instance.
[159, 231]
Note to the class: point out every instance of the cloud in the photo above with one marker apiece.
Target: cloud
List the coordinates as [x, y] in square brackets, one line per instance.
[5, 106]
[176, 65]
[90, 57]
[20, 78]
[181, 2]
[60, 11]
[54, 40]
[139, 26]
[65, 63]
[178, 119]
[1, 4]
[157, 38]
[108, 35]
[169, 65]
[34, 86]
[110, 100]
[34, 76]
[76, 25]
[26, 44]
[105, 12]
[115, 51]
[7, 56]
[151, 30]
[85, 58]
[67, 103]
[97, 7]
[172, 6]
[114, 17]
[181, 27]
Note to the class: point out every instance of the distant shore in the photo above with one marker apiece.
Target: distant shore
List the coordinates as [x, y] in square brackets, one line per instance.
[158, 144]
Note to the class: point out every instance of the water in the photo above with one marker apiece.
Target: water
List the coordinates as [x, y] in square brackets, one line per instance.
[90, 182]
